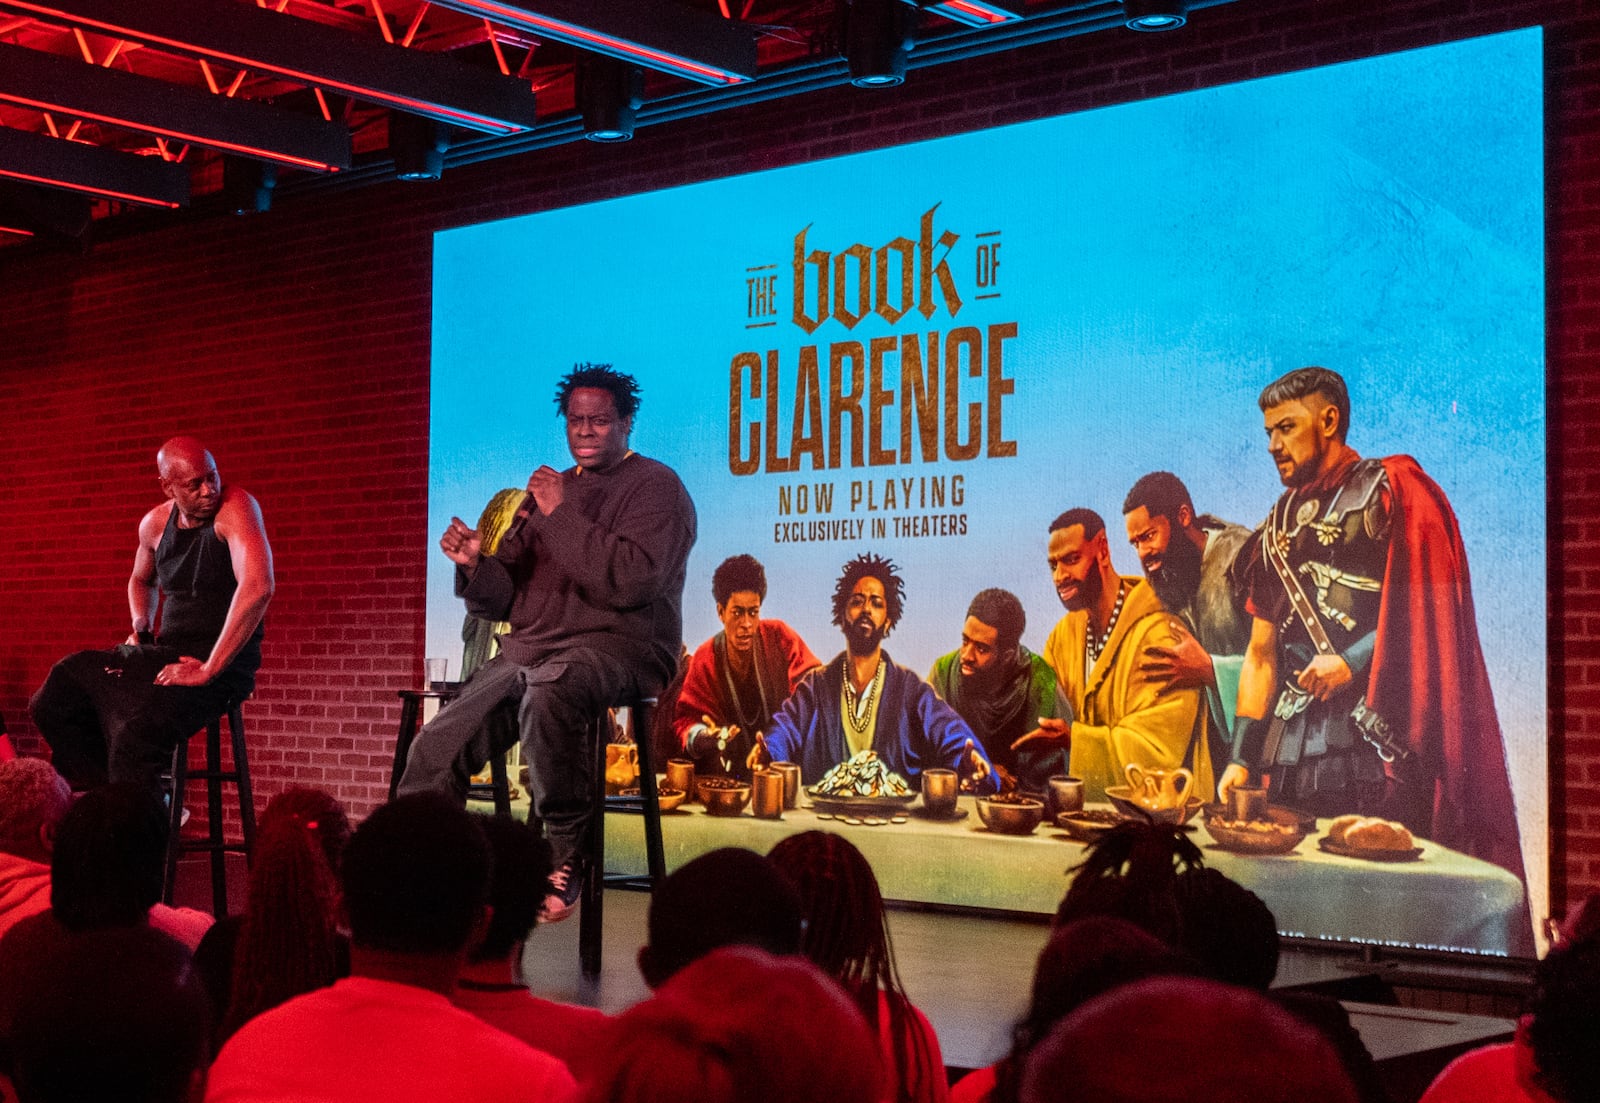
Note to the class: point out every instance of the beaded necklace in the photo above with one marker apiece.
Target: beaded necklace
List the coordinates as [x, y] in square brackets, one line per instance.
[1094, 644]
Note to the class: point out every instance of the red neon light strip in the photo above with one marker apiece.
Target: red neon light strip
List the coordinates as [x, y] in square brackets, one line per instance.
[977, 11]
[18, 230]
[127, 197]
[231, 147]
[405, 103]
[605, 42]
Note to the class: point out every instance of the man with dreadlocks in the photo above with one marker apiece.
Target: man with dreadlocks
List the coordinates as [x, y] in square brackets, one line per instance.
[863, 700]
[590, 577]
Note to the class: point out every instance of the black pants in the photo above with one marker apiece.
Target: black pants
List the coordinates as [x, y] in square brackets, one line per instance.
[106, 719]
[556, 702]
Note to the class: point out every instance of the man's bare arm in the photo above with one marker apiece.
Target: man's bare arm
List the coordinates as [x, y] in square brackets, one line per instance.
[240, 526]
[1258, 680]
[143, 597]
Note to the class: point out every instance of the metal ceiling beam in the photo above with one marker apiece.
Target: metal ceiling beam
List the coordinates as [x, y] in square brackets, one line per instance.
[57, 163]
[247, 37]
[50, 82]
[656, 34]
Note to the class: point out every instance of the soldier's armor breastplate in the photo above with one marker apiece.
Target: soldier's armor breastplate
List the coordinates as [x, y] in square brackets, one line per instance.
[1338, 548]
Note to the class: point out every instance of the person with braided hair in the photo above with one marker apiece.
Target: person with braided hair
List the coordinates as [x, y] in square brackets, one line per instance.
[287, 941]
[846, 933]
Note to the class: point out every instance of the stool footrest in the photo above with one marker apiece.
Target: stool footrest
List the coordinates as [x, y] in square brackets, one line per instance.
[640, 881]
[204, 846]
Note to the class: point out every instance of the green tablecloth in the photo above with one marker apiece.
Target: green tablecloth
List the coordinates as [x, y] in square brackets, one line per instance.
[1444, 900]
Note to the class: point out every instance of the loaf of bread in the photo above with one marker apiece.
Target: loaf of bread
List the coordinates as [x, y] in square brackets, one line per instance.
[1372, 833]
[1338, 827]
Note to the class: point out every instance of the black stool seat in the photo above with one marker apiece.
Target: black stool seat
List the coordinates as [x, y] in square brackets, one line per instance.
[214, 842]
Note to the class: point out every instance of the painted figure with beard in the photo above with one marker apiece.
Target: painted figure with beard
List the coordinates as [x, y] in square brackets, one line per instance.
[1364, 688]
[1003, 690]
[738, 678]
[1123, 712]
[863, 700]
[1186, 559]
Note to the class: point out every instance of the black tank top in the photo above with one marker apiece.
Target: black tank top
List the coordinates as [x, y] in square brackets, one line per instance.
[195, 574]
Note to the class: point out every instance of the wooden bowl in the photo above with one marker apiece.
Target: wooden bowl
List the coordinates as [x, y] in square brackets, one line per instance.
[722, 796]
[1011, 818]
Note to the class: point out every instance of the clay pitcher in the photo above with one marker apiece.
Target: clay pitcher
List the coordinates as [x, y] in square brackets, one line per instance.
[1158, 789]
[622, 767]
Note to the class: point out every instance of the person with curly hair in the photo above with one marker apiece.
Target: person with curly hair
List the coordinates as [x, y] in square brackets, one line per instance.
[589, 575]
[1553, 1058]
[864, 701]
[846, 933]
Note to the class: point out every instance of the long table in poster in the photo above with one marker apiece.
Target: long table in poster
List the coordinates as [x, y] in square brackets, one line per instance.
[1444, 900]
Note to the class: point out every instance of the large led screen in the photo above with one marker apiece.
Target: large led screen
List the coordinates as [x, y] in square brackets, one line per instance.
[929, 352]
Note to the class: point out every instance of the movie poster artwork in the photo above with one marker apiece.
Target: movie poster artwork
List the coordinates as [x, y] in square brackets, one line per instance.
[929, 352]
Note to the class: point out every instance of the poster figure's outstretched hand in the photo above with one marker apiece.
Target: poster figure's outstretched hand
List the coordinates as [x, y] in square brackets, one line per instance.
[1232, 777]
[1052, 730]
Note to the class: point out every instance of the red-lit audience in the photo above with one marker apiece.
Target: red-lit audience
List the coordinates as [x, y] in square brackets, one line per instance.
[492, 985]
[1184, 1038]
[1555, 1057]
[847, 935]
[33, 801]
[773, 978]
[415, 878]
[1083, 959]
[740, 1025]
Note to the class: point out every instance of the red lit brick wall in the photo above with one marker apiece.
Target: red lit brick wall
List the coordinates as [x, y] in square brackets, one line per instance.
[296, 343]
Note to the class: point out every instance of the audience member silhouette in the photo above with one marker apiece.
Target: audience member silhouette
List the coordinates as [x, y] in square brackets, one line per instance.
[415, 879]
[1555, 1057]
[492, 986]
[740, 1025]
[725, 897]
[33, 801]
[1130, 873]
[1184, 1038]
[106, 870]
[288, 939]
[847, 935]
[1082, 960]
[114, 1014]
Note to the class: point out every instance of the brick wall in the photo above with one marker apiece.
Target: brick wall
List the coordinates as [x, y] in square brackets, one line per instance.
[296, 343]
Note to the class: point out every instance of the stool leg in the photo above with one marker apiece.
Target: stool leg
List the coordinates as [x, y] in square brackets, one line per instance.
[654, 851]
[219, 871]
[402, 744]
[501, 785]
[591, 918]
[180, 774]
[241, 769]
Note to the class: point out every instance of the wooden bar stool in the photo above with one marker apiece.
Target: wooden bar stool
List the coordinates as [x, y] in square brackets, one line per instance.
[591, 916]
[215, 842]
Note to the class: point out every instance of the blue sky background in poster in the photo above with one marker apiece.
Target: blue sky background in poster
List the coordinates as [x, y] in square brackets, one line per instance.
[1160, 261]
